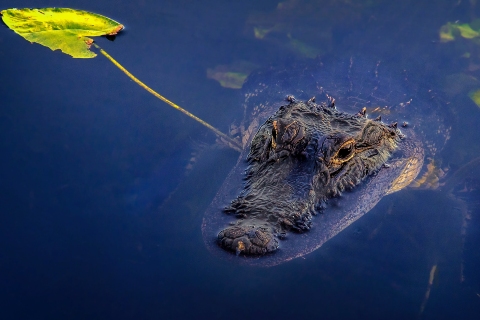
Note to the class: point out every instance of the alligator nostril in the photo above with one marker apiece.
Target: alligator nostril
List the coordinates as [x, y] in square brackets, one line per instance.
[240, 247]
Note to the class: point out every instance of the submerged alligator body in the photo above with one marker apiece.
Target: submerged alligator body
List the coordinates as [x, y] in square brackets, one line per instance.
[306, 174]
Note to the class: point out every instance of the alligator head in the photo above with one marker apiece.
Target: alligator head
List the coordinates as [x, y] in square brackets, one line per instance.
[300, 157]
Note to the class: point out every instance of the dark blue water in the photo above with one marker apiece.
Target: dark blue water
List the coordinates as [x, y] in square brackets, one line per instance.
[100, 217]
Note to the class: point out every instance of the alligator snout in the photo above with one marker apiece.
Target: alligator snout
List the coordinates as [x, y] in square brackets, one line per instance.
[248, 239]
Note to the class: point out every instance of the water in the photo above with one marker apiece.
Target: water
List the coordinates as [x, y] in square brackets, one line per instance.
[101, 220]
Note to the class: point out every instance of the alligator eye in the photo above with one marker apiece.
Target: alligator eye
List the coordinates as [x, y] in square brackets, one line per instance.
[345, 152]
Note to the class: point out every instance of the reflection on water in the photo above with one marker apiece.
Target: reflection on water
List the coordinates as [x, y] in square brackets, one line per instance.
[83, 148]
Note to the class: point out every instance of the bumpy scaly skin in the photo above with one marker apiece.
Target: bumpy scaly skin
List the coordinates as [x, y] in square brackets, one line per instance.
[303, 155]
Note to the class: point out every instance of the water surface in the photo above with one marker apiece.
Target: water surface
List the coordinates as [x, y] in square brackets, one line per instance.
[100, 216]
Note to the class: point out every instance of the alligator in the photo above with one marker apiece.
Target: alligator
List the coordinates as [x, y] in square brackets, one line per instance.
[310, 170]
[305, 154]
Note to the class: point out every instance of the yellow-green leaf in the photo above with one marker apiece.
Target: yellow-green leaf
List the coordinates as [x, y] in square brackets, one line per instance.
[61, 28]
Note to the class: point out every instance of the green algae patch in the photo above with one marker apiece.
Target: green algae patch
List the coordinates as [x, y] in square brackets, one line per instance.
[466, 31]
[446, 33]
[450, 31]
[61, 28]
[475, 96]
[231, 76]
[232, 80]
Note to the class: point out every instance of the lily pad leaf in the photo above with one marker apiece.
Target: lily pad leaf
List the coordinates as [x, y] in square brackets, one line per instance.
[61, 28]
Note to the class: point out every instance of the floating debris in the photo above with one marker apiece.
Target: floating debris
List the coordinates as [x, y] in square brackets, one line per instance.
[433, 272]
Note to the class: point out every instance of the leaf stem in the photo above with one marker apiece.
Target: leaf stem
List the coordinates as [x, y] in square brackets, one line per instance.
[230, 142]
